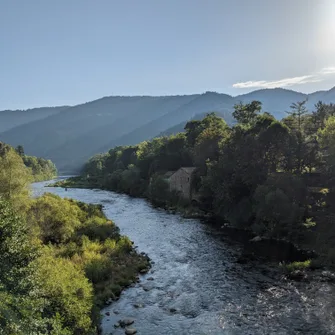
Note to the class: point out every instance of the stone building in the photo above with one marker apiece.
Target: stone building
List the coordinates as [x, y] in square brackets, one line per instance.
[181, 181]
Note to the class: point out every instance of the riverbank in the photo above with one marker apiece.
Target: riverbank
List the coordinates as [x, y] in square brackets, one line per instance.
[79, 236]
[255, 247]
[187, 210]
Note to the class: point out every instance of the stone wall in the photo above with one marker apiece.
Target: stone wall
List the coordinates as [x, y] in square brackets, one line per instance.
[180, 181]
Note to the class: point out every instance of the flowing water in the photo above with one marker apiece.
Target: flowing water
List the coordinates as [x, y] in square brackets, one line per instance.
[198, 286]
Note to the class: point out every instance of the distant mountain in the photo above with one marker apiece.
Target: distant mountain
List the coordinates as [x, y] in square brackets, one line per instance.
[70, 135]
[10, 119]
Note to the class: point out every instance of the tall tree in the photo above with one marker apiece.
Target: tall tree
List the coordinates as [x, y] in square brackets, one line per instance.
[247, 113]
[298, 110]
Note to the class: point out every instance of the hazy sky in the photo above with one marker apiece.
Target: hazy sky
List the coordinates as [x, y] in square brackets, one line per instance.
[57, 52]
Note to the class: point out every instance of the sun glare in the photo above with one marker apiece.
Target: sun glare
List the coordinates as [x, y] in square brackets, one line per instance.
[326, 31]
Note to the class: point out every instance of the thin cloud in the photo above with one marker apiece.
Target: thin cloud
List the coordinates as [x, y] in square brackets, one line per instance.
[287, 82]
[328, 70]
[279, 83]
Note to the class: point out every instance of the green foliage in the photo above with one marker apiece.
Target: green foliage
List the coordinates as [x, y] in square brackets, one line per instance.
[294, 266]
[247, 113]
[327, 143]
[59, 261]
[64, 284]
[16, 251]
[280, 205]
[14, 177]
[254, 174]
[55, 219]
[42, 169]
[158, 191]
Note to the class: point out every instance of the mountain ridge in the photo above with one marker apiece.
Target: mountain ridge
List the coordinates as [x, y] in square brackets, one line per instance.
[69, 135]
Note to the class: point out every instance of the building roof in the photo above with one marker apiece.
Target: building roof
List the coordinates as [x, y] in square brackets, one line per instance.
[169, 174]
[188, 170]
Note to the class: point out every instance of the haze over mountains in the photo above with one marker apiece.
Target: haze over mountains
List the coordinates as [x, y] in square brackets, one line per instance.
[70, 135]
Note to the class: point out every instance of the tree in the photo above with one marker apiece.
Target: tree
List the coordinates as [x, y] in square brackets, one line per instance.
[272, 140]
[19, 306]
[70, 296]
[326, 138]
[298, 110]
[158, 190]
[19, 149]
[14, 177]
[54, 219]
[280, 206]
[246, 113]
[299, 138]
[16, 251]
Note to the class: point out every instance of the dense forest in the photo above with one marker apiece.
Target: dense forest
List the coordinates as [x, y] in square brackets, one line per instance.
[275, 178]
[60, 260]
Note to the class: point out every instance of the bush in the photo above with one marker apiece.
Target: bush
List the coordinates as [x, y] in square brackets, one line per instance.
[67, 290]
[97, 228]
[54, 219]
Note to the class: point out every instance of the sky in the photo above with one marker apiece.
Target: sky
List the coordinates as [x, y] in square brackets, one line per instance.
[65, 52]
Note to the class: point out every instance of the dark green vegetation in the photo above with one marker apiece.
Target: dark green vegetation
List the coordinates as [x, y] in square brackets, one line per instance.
[60, 260]
[275, 178]
[74, 182]
[69, 136]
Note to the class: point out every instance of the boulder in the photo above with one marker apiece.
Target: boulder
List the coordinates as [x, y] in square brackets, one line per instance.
[138, 305]
[297, 275]
[150, 278]
[256, 239]
[328, 276]
[126, 322]
[130, 331]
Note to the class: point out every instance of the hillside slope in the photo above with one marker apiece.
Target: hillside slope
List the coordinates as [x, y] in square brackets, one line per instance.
[12, 118]
[70, 135]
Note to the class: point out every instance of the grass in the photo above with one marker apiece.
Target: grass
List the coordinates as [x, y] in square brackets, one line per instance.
[294, 266]
[74, 182]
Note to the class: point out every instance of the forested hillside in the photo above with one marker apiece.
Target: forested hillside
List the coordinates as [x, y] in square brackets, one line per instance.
[275, 178]
[13, 118]
[39, 168]
[71, 135]
[60, 260]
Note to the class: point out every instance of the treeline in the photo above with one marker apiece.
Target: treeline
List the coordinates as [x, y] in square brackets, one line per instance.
[272, 177]
[60, 260]
[42, 169]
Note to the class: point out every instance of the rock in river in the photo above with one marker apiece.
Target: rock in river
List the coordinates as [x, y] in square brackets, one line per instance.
[126, 322]
[130, 331]
[138, 305]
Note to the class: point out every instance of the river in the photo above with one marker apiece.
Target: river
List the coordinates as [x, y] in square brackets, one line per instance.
[198, 287]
